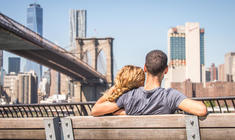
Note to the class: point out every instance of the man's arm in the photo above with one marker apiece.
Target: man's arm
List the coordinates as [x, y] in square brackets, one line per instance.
[193, 107]
[104, 108]
[119, 112]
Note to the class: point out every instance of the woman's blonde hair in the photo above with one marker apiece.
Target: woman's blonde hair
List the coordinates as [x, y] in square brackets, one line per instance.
[129, 77]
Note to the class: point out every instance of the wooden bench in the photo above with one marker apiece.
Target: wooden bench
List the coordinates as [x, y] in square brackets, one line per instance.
[215, 126]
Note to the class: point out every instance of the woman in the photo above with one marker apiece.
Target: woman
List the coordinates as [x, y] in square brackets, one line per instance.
[128, 78]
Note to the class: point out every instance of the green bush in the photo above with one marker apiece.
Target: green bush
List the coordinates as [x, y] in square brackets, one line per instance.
[208, 104]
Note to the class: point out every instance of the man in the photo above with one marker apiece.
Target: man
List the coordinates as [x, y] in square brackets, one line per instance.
[151, 99]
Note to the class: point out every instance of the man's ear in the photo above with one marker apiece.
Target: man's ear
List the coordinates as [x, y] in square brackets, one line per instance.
[166, 70]
[145, 69]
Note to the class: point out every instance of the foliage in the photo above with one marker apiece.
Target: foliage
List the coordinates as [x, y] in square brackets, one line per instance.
[210, 103]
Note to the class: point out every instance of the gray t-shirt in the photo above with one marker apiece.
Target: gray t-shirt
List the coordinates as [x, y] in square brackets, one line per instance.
[156, 101]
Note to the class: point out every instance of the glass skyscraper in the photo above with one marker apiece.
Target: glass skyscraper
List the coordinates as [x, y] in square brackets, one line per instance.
[177, 44]
[202, 53]
[14, 64]
[35, 18]
[35, 23]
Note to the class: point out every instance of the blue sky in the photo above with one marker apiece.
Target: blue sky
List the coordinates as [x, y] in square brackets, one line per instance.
[137, 26]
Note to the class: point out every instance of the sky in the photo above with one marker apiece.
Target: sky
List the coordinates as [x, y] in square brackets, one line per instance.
[137, 26]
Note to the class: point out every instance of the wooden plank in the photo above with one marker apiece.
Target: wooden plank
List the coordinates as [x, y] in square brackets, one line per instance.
[155, 134]
[22, 134]
[219, 120]
[131, 134]
[21, 123]
[218, 134]
[150, 121]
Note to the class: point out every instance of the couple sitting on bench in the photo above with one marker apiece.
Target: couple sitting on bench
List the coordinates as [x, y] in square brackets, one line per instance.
[132, 94]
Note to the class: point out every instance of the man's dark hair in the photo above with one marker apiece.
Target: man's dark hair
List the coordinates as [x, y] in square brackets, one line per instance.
[156, 62]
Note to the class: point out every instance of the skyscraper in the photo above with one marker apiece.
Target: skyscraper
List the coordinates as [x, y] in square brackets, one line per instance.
[21, 87]
[229, 66]
[35, 18]
[186, 54]
[213, 72]
[55, 82]
[221, 73]
[195, 70]
[14, 64]
[35, 23]
[78, 23]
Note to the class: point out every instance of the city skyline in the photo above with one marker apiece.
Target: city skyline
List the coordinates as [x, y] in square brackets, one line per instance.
[134, 28]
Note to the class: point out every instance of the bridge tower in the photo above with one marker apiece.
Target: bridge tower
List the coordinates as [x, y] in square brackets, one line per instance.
[88, 50]
[91, 48]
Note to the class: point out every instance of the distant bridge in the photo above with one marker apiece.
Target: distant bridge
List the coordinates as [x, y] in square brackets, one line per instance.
[20, 40]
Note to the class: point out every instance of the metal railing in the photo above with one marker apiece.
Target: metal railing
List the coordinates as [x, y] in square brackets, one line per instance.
[45, 110]
[214, 105]
[219, 104]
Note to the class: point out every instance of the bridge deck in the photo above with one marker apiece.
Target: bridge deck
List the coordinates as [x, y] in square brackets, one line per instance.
[21, 41]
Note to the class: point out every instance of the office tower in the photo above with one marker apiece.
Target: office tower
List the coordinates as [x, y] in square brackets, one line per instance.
[35, 23]
[35, 18]
[21, 88]
[221, 74]
[213, 72]
[14, 64]
[195, 70]
[27, 88]
[208, 75]
[55, 82]
[78, 25]
[10, 87]
[229, 66]
[186, 54]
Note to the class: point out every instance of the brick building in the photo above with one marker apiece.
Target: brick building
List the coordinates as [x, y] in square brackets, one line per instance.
[209, 89]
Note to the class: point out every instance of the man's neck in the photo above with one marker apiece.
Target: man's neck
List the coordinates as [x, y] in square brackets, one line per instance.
[152, 82]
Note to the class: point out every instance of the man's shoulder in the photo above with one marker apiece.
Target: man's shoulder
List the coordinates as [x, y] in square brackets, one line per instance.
[136, 90]
[172, 90]
[175, 94]
[168, 93]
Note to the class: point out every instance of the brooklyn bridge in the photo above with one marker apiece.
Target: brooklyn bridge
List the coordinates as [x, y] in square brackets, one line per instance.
[20, 40]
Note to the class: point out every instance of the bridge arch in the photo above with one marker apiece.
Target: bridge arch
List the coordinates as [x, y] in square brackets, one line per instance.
[96, 47]
[101, 62]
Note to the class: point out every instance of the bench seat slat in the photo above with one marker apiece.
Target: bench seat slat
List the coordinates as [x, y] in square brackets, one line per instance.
[150, 121]
[154, 134]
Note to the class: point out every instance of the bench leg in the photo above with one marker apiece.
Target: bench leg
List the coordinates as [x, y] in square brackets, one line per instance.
[192, 127]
